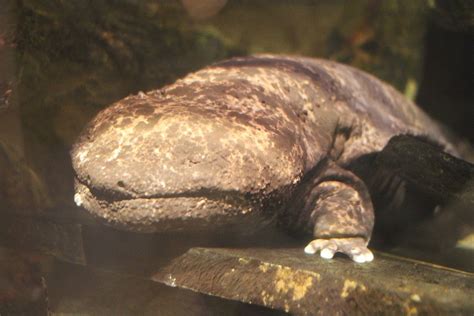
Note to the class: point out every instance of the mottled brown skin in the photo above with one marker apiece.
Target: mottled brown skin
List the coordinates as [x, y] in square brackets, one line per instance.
[238, 143]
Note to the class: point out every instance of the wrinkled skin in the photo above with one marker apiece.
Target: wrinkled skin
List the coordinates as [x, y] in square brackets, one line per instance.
[241, 142]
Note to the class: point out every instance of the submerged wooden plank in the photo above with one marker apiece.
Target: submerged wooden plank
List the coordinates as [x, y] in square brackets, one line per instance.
[289, 280]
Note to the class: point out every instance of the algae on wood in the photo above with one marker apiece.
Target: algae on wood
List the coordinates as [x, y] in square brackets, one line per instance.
[289, 280]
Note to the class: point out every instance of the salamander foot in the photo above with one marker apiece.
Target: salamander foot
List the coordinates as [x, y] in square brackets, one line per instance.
[354, 247]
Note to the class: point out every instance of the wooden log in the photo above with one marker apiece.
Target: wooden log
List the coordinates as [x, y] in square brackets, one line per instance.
[289, 280]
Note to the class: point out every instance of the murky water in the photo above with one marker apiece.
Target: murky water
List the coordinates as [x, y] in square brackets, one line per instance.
[61, 62]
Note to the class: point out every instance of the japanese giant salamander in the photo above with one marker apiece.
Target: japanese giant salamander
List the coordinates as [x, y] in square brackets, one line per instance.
[243, 142]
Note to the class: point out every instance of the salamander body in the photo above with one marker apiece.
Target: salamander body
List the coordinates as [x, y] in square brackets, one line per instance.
[242, 142]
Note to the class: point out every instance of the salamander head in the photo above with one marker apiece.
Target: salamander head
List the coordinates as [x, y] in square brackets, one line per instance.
[152, 164]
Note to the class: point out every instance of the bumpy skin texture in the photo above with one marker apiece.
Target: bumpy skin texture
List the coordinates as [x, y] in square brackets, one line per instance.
[238, 143]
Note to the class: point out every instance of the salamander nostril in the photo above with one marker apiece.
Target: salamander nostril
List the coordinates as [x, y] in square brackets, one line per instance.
[121, 184]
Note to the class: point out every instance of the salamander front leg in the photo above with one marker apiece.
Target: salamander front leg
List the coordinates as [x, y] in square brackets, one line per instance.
[342, 214]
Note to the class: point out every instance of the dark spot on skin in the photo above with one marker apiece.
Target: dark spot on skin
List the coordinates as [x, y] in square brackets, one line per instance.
[153, 119]
[126, 121]
[121, 184]
[141, 126]
[103, 127]
[173, 129]
[144, 109]
[240, 117]
[180, 90]
[267, 122]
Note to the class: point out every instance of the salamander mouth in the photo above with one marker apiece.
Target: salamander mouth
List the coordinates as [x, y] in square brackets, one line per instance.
[122, 193]
[187, 211]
